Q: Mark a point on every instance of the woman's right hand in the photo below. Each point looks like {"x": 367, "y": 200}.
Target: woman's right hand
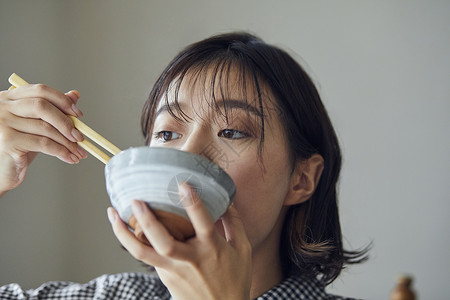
{"x": 33, "y": 118}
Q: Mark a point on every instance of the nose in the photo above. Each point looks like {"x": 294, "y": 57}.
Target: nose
{"x": 200, "y": 142}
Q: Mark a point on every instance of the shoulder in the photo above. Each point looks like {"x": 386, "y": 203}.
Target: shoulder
{"x": 295, "y": 287}
{"x": 117, "y": 286}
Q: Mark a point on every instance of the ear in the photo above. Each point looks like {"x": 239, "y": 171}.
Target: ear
{"x": 304, "y": 180}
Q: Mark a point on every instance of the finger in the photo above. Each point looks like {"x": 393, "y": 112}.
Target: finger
{"x": 198, "y": 214}
{"x": 58, "y": 99}
{"x": 158, "y": 236}
{"x": 136, "y": 248}
{"x": 37, "y": 108}
{"x": 42, "y": 128}
{"x": 233, "y": 227}
{"x": 24, "y": 142}
{"x": 74, "y": 95}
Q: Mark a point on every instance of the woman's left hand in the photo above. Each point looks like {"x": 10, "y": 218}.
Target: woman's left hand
{"x": 210, "y": 265}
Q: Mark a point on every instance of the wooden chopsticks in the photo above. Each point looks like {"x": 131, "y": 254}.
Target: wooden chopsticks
{"x": 16, "y": 81}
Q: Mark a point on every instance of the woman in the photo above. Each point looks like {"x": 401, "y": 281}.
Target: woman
{"x": 250, "y": 108}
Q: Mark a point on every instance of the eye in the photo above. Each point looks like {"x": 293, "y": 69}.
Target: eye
{"x": 165, "y": 136}
{"x": 233, "y": 134}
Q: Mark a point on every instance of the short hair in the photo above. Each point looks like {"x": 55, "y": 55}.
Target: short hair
{"x": 311, "y": 238}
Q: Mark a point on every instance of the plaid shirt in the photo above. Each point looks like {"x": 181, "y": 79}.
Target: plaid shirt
{"x": 148, "y": 286}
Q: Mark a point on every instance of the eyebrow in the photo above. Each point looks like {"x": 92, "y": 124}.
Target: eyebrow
{"x": 228, "y": 103}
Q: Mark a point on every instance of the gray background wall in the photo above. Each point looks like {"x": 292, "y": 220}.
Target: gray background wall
{"x": 382, "y": 68}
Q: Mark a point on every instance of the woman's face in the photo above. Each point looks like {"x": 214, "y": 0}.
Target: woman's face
{"x": 262, "y": 179}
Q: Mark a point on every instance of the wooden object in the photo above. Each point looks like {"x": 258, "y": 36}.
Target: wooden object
{"x": 403, "y": 290}
{"x": 97, "y": 138}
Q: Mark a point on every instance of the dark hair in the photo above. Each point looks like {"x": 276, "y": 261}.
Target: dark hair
{"x": 311, "y": 240}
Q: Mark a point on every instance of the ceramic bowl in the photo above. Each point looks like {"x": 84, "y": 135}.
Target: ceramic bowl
{"x": 153, "y": 174}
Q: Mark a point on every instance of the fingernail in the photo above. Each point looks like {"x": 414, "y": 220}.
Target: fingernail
{"x": 77, "y": 135}
{"x": 77, "y": 111}
{"x": 74, "y": 159}
{"x": 111, "y": 215}
{"x": 138, "y": 208}
{"x": 73, "y": 96}
{"x": 82, "y": 152}
{"x": 76, "y": 93}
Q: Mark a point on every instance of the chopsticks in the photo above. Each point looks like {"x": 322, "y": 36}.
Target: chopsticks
{"x": 97, "y": 138}
{"x": 16, "y": 81}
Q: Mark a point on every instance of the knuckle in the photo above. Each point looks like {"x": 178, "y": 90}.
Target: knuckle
{"x": 68, "y": 124}
{"x": 40, "y": 104}
{"x": 168, "y": 250}
{"x": 45, "y": 127}
{"x": 44, "y": 142}
{"x": 40, "y": 88}
{"x": 208, "y": 232}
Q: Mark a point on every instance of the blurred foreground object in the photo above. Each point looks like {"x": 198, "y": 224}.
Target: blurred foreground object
{"x": 403, "y": 290}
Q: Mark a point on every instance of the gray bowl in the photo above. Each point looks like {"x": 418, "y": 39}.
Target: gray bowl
{"x": 153, "y": 175}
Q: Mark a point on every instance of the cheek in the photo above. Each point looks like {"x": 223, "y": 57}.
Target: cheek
{"x": 259, "y": 196}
